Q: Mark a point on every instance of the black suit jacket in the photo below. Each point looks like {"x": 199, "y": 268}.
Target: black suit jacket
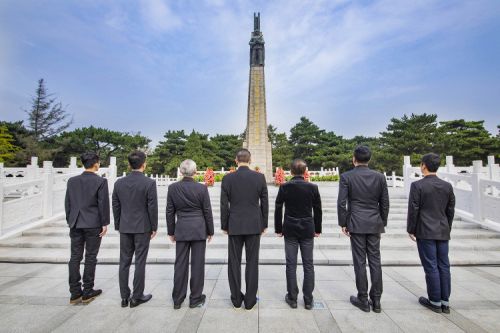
{"x": 431, "y": 208}
{"x": 363, "y": 201}
{"x": 301, "y": 198}
{"x": 244, "y": 206}
{"x": 87, "y": 201}
{"x": 135, "y": 204}
{"x": 190, "y": 202}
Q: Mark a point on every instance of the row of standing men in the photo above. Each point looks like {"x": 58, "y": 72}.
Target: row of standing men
{"x": 363, "y": 209}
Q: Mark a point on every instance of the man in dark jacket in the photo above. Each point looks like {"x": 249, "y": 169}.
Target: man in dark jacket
{"x": 244, "y": 212}
{"x": 300, "y": 226}
{"x": 87, "y": 214}
{"x": 190, "y": 202}
{"x": 363, "y": 208}
{"x": 135, "y": 210}
{"x": 431, "y": 208}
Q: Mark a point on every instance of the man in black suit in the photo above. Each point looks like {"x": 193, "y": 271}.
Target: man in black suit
{"x": 431, "y": 208}
{"x": 87, "y": 214}
{"x": 135, "y": 210}
{"x": 363, "y": 208}
{"x": 244, "y": 211}
{"x": 300, "y": 226}
{"x": 189, "y": 201}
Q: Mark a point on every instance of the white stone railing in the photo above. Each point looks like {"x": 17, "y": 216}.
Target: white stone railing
{"x": 476, "y": 188}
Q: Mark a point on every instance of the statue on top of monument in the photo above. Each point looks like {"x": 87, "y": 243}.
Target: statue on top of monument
{"x": 257, "y": 52}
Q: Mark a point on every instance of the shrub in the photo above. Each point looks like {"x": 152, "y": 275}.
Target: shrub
{"x": 279, "y": 177}
{"x": 209, "y": 177}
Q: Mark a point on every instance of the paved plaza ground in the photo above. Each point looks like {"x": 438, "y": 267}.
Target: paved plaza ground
{"x": 34, "y": 298}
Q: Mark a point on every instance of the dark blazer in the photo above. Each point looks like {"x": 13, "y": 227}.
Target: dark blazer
{"x": 363, "y": 201}
{"x": 87, "y": 201}
{"x": 301, "y": 198}
{"x": 135, "y": 204}
{"x": 190, "y": 202}
{"x": 244, "y": 206}
{"x": 431, "y": 208}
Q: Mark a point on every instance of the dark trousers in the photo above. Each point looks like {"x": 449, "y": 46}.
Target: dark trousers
{"x": 181, "y": 272}
{"x": 88, "y": 240}
{"x": 130, "y": 244}
{"x": 434, "y": 257}
{"x": 363, "y": 246}
{"x": 235, "y": 248}
{"x": 306, "y": 251}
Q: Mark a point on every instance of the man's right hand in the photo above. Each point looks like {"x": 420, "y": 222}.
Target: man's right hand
{"x": 346, "y": 232}
{"x": 225, "y": 232}
{"x": 279, "y": 234}
{"x": 172, "y": 238}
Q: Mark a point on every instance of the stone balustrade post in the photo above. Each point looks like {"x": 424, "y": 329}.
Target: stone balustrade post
{"x": 32, "y": 171}
{"x": 73, "y": 167}
{"x": 112, "y": 173}
{"x": 394, "y": 179}
{"x": 476, "y": 192}
{"x": 2, "y": 170}
{"x": 1, "y": 208}
{"x": 407, "y": 174}
{"x": 450, "y": 167}
{"x": 493, "y": 169}
{"x": 48, "y": 184}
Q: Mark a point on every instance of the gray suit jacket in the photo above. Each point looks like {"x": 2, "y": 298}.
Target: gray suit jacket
{"x": 190, "y": 203}
{"x": 431, "y": 208}
{"x": 363, "y": 201}
{"x": 87, "y": 201}
{"x": 135, "y": 204}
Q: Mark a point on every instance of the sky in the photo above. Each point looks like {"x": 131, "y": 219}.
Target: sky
{"x": 150, "y": 66}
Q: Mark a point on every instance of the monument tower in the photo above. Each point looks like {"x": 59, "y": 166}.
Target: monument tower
{"x": 256, "y": 139}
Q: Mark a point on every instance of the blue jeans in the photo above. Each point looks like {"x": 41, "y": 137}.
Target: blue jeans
{"x": 434, "y": 257}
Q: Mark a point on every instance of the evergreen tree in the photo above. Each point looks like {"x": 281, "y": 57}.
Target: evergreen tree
{"x": 304, "y": 137}
{"x": 7, "y": 148}
{"x": 47, "y": 117}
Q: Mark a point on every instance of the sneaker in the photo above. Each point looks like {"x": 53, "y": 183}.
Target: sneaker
{"x": 91, "y": 295}
{"x": 75, "y": 299}
{"x": 445, "y": 309}
{"x": 425, "y": 302}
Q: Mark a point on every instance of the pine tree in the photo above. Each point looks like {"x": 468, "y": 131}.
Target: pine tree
{"x": 47, "y": 117}
{"x": 7, "y": 148}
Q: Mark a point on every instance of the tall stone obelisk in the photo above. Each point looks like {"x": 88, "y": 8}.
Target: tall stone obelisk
{"x": 257, "y": 140}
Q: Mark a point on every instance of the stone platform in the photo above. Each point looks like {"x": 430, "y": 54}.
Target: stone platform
{"x": 34, "y": 298}
{"x": 470, "y": 245}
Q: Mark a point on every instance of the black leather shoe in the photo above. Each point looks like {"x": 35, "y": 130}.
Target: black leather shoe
{"x": 293, "y": 304}
{"x": 445, "y": 309}
{"x": 199, "y": 303}
{"x": 309, "y": 306}
{"x": 91, "y": 295}
{"x": 136, "y": 302}
{"x": 425, "y": 302}
{"x": 75, "y": 299}
{"x": 375, "y": 303}
{"x": 363, "y": 306}
{"x": 125, "y": 302}
{"x": 177, "y": 306}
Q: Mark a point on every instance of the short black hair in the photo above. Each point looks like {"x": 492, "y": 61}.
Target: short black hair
{"x": 298, "y": 167}
{"x": 136, "y": 159}
{"x": 243, "y": 155}
{"x": 362, "y": 154}
{"x": 89, "y": 159}
{"x": 431, "y": 161}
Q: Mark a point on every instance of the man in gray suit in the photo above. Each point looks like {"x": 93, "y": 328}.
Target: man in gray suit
{"x": 87, "y": 214}
{"x": 189, "y": 201}
{"x": 363, "y": 208}
{"x": 135, "y": 210}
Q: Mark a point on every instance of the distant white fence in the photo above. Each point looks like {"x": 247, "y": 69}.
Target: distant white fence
{"x": 477, "y": 189}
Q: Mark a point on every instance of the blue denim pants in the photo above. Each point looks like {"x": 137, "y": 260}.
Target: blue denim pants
{"x": 434, "y": 257}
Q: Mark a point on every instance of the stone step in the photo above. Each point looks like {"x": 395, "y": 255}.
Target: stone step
{"x": 220, "y": 242}
{"x": 267, "y": 256}
{"x": 400, "y": 232}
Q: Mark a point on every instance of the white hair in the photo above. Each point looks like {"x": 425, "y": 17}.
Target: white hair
{"x": 188, "y": 168}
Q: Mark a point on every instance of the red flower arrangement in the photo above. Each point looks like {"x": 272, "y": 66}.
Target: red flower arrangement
{"x": 279, "y": 177}
{"x": 306, "y": 176}
{"x": 209, "y": 177}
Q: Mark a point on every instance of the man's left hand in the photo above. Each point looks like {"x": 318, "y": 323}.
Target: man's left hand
{"x": 412, "y": 237}
{"x": 104, "y": 230}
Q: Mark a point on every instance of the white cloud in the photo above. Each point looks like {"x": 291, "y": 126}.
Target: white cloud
{"x": 158, "y": 15}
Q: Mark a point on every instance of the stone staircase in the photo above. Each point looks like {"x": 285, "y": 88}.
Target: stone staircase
{"x": 470, "y": 244}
